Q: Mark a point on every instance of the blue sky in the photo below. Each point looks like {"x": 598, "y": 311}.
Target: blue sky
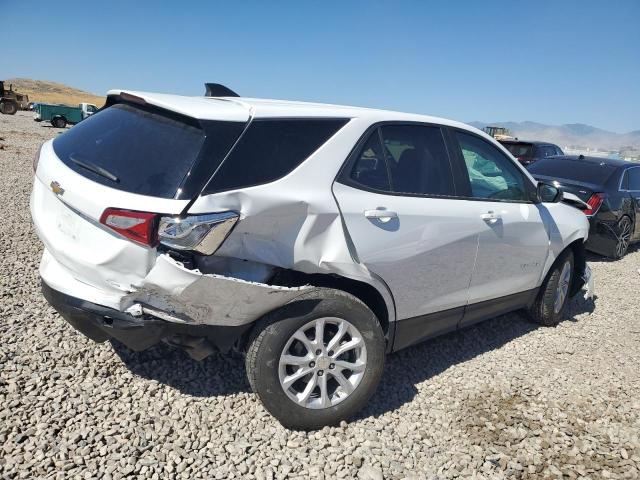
{"x": 547, "y": 61}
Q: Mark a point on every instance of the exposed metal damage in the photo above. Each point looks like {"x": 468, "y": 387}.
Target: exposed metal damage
{"x": 175, "y": 293}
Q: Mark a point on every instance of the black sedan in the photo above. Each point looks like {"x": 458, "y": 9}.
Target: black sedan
{"x": 612, "y": 190}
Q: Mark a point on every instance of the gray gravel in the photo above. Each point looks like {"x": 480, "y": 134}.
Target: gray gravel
{"x": 503, "y": 399}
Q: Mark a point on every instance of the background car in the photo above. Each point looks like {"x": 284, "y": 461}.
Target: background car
{"x": 612, "y": 190}
{"x": 528, "y": 152}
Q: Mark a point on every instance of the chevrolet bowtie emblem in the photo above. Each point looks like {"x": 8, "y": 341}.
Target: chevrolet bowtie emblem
{"x": 56, "y": 188}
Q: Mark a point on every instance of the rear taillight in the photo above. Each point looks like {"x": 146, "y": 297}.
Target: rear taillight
{"x": 137, "y": 226}
{"x": 199, "y": 233}
{"x": 36, "y": 158}
{"x": 594, "y": 203}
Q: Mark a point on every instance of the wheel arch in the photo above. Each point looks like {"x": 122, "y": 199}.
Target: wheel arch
{"x": 579, "y": 265}
{"x": 382, "y": 307}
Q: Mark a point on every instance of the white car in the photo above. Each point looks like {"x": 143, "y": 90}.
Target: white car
{"x": 314, "y": 238}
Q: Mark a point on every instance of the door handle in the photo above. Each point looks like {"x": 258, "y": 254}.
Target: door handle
{"x": 383, "y": 215}
{"x": 490, "y": 217}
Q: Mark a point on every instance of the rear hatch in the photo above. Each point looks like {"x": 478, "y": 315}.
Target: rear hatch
{"x": 134, "y": 157}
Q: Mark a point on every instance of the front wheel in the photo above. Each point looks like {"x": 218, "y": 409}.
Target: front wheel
{"x": 317, "y": 360}
{"x": 553, "y": 296}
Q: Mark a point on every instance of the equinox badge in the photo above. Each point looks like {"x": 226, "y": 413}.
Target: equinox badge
{"x": 57, "y": 189}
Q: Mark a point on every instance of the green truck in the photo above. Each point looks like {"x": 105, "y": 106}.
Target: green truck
{"x": 61, "y": 115}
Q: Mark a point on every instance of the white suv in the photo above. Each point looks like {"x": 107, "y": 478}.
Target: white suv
{"x": 315, "y": 238}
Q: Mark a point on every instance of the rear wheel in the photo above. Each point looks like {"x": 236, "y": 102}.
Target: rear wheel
{"x": 8, "y": 108}
{"x": 317, "y": 360}
{"x": 59, "y": 122}
{"x": 552, "y": 299}
{"x": 623, "y": 236}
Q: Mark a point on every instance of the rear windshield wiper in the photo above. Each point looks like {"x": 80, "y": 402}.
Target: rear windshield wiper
{"x": 95, "y": 169}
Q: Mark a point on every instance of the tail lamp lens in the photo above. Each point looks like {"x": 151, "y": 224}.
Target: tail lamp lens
{"x": 199, "y": 233}
{"x": 137, "y": 226}
{"x": 594, "y": 203}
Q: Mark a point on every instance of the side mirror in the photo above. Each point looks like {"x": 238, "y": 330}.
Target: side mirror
{"x": 548, "y": 193}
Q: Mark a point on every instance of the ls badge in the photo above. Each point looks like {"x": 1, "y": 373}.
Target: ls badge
{"x": 57, "y": 189}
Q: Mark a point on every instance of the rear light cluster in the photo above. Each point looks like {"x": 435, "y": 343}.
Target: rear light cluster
{"x": 594, "y": 203}
{"x": 198, "y": 233}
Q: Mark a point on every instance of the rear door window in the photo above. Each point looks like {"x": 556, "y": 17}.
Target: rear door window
{"x": 270, "y": 149}
{"x": 634, "y": 179}
{"x": 370, "y": 168}
{"x": 131, "y": 149}
{"x": 418, "y": 160}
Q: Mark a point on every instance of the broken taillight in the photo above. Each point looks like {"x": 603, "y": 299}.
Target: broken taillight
{"x": 137, "y": 226}
{"x": 594, "y": 203}
{"x": 199, "y": 233}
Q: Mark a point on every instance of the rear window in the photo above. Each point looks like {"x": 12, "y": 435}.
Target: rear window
{"x": 519, "y": 149}
{"x": 587, "y": 172}
{"x": 132, "y": 149}
{"x": 270, "y": 149}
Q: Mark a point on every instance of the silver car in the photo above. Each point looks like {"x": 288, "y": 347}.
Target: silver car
{"x": 314, "y": 238}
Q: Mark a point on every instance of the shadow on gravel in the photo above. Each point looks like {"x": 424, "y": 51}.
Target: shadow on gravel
{"x": 216, "y": 375}
{"x": 597, "y": 258}
{"x": 416, "y": 364}
{"x": 224, "y": 374}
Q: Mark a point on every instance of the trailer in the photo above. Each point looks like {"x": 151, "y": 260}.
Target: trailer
{"x": 61, "y": 115}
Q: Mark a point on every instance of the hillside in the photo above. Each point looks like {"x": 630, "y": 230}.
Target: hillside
{"x": 52, "y": 92}
{"x": 573, "y": 135}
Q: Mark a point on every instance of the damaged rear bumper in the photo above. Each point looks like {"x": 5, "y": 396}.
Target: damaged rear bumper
{"x": 101, "y": 323}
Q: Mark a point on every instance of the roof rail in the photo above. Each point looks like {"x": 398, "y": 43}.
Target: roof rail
{"x": 218, "y": 90}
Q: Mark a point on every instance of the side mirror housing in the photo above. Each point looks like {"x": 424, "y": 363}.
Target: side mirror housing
{"x": 548, "y": 193}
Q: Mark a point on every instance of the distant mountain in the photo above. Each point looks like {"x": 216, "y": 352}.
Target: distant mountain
{"x": 44, "y": 91}
{"x": 573, "y": 134}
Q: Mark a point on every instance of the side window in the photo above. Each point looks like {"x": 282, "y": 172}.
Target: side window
{"x": 270, "y": 149}
{"x": 370, "y": 169}
{"x": 634, "y": 178}
{"x": 624, "y": 183}
{"x": 558, "y": 150}
{"x": 417, "y": 159}
{"x": 548, "y": 151}
{"x": 491, "y": 174}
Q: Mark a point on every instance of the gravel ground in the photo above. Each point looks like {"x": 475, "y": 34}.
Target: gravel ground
{"x": 502, "y": 399}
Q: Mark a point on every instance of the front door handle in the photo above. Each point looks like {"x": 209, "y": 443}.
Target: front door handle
{"x": 383, "y": 215}
{"x": 490, "y": 217}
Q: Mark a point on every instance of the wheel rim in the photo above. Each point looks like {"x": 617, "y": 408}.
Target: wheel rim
{"x": 563, "y": 287}
{"x": 624, "y": 235}
{"x": 322, "y": 363}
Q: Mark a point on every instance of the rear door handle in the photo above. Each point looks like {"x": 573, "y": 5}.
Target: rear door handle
{"x": 490, "y": 217}
{"x": 382, "y": 215}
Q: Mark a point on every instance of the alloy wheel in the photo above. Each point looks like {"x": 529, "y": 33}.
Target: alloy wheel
{"x": 624, "y": 235}
{"x": 322, "y": 363}
{"x": 563, "y": 287}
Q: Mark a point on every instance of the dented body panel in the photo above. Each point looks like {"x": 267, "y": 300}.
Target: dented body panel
{"x": 304, "y": 222}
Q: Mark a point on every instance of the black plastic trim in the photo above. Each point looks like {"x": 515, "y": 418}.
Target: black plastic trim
{"x": 101, "y": 323}
{"x": 417, "y": 329}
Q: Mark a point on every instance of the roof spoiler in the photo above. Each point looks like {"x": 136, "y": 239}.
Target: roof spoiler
{"x": 218, "y": 90}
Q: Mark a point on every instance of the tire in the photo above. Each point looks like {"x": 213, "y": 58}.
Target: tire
{"x": 270, "y": 372}
{"x": 545, "y": 310}
{"x": 8, "y": 108}
{"x": 623, "y": 231}
{"x": 59, "y": 122}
